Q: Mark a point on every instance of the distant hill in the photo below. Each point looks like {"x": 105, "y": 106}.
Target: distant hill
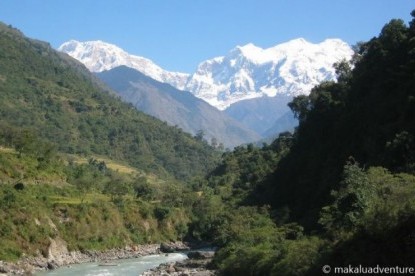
{"x": 176, "y": 107}
{"x": 264, "y": 115}
{"x": 287, "y": 122}
{"x": 56, "y": 97}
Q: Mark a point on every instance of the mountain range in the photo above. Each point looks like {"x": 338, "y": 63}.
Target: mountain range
{"x": 246, "y": 72}
{"x": 250, "y": 84}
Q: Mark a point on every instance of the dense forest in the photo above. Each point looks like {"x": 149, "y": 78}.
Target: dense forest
{"x": 59, "y": 100}
{"x": 79, "y": 164}
{"x": 338, "y": 191}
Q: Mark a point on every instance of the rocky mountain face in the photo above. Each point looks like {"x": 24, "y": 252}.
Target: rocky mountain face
{"x": 177, "y": 108}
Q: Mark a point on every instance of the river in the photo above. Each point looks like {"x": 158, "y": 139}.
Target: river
{"x": 125, "y": 267}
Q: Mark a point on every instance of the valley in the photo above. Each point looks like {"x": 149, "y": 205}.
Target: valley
{"x": 85, "y": 172}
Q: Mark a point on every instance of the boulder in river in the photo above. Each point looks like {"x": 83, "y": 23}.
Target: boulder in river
{"x": 173, "y": 247}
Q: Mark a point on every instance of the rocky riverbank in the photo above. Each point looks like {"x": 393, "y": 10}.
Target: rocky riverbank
{"x": 198, "y": 264}
{"x": 58, "y": 255}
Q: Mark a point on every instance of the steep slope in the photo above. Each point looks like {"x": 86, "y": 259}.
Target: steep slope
{"x": 176, "y": 107}
{"x": 62, "y": 102}
{"x": 99, "y": 56}
{"x": 365, "y": 119}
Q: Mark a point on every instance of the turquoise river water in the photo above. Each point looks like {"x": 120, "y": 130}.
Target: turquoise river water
{"x": 126, "y": 267}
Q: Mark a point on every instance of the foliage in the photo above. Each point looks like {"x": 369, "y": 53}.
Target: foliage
{"x": 352, "y": 201}
{"x": 254, "y": 245}
{"x": 339, "y": 191}
{"x": 346, "y": 178}
{"x": 232, "y": 183}
{"x": 51, "y": 96}
{"x": 368, "y": 114}
{"x": 371, "y": 220}
{"x": 88, "y": 205}
{"x": 244, "y": 169}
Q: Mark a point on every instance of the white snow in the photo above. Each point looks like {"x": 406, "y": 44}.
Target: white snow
{"x": 246, "y": 72}
{"x": 99, "y": 56}
{"x": 249, "y": 71}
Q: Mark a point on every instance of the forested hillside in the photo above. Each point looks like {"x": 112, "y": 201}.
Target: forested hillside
{"x": 366, "y": 118}
{"x": 57, "y": 99}
{"x": 340, "y": 190}
{"x": 80, "y": 166}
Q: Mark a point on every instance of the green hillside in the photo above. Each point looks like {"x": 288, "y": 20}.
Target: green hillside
{"x": 340, "y": 190}
{"x": 366, "y": 118}
{"x": 76, "y": 163}
{"x": 57, "y": 99}
{"x": 89, "y": 205}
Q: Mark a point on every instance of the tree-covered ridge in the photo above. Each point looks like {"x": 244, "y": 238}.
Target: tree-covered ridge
{"x": 342, "y": 191}
{"x": 60, "y": 101}
{"x": 368, "y": 116}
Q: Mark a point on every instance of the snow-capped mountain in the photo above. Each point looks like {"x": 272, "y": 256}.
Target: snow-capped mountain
{"x": 249, "y": 71}
{"x": 246, "y": 72}
{"x": 99, "y": 56}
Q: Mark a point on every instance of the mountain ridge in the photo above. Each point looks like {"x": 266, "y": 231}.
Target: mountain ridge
{"x": 246, "y": 72}
{"x": 177, "y": 108}
{"x": 99, "y": 56}
{"x": 56, "y": 97}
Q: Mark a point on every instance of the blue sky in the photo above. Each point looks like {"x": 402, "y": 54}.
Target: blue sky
{"x": 179, "y": 34}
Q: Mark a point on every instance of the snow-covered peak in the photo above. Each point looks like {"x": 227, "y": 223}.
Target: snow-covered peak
{"x": 296, "y": 43}
{"x": 99, "y": 56}
{"x": 249, "y": 71}
{"x": 250, "y": 52}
